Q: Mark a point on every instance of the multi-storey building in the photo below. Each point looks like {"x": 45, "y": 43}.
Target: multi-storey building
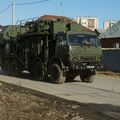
{"x": 109, "y": 23}
{"x": 89, "y": 22}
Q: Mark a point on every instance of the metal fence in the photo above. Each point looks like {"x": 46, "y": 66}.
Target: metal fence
{"x": 111, "y": 59}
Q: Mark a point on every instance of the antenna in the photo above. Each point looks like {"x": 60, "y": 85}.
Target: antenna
{"x": 61, "y": 5}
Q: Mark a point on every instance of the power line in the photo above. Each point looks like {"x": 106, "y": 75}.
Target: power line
{"x": 5, "y": 8}
{"x": 13, "y": 4}
{"x": 37, "y": 2}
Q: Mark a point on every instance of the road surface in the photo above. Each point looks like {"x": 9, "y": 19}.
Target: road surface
{"x": 104, "y": 90}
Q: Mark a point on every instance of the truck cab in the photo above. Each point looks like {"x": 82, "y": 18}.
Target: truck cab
{"x": 77, "y": 54}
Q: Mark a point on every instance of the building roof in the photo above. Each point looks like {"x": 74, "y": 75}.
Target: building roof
{"x": 99, "y": 31}
{"x": 53, "y": 17}
{"x": 112, "y": 32}
{"x": 1, "y": 28}
{"x": 64, "y": 19}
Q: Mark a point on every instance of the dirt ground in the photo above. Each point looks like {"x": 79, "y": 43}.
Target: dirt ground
{"x": 110, "y": 73}
{"x": 20, "y": 104}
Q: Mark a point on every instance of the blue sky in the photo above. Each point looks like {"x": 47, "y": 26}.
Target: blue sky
{"x": 103, "y": 9}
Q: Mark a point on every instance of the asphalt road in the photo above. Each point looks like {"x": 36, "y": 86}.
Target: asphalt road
{"x": 104, "y": 90}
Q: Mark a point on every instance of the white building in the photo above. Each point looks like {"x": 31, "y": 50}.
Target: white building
{"x": 89, "y": 22}
{"x": 109, "y": 23}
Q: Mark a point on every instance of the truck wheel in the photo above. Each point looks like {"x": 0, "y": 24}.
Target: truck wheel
{"x": 87, "y": 79}
{"x": 6, "y": 67}
{"x": 56, "y": 74}
{"x": 38, "y": 71}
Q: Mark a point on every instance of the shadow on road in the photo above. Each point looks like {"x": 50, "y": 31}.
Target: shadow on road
{"x": 105, "y": 109}
{"x": 26, "y": 75}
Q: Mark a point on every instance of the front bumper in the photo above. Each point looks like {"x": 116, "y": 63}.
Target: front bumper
{"x": 83, "y": 66}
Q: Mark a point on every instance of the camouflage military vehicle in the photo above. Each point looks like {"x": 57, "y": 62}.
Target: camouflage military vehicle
{"x": 49, "y": 48}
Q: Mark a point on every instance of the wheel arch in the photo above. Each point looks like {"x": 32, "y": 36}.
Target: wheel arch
{"x": 56, "y": 60}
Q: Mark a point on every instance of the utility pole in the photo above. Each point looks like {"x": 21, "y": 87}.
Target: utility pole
{"x": 13, "y": 12}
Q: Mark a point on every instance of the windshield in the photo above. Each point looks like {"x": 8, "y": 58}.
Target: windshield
{"x": 83, "y": 40}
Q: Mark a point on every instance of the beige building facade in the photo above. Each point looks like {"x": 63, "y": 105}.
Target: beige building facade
{"x": 90, "y": 22}
{"x": 109, "y": 23}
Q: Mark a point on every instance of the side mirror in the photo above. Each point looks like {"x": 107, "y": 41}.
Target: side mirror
{"x": 68, "y": 26}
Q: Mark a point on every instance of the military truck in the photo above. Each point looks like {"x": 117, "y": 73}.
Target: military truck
{"x": 54, "y": 50}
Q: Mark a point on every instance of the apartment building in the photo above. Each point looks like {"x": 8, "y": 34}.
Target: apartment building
{"x": 90, "y": 22}
{"x": 109, "y": 23}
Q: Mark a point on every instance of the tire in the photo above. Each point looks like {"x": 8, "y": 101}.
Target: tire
{"x": 38, "y": 71}
{"x": 6, "y": 67}
{"x": 87, "y": 79}
{"x": 56, "y": 74}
